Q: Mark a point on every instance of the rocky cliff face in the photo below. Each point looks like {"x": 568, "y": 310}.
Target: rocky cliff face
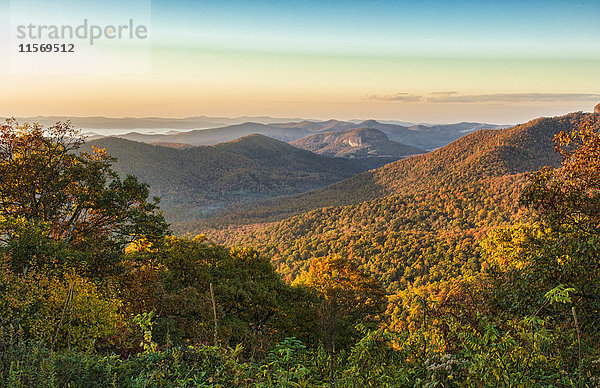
{"x": 367, "y": 147}
{"x": 362, "y": 137}
{"x": 597, "y": 109}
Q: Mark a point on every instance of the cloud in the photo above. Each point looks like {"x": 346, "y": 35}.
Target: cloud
{"x": 441, "y": 97}
{"x": 443, "y": 93}
{"x": 511, "y": 97}
{"x": 402, "y": 97}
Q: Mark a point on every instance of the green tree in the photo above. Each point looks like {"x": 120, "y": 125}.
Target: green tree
{"x": 253, "y": 305}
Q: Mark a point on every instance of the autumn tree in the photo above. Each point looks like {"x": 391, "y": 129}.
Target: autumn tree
{"x": 568, "y": 201}
{"x": 348, "y": 297}
{"x": 35, "y": 302}
{"x": 68, "y": 197}
{"x": 569, "y": 197}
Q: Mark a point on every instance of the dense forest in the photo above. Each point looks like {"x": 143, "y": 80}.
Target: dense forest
{"x": 473, "y": 265}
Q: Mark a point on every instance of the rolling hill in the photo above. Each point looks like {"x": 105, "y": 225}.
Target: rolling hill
{"x": 370, "y": 148}
{"x": 195, "y": 181}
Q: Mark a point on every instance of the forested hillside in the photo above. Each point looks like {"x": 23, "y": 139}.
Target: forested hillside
{"x": 417, "y": 221}
{"x": 195, "y": 181}
{"x": 476, "y": 157}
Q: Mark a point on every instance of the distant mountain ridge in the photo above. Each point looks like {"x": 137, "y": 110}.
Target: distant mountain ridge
{"x": 214, "y": 136}
{"x": 203, "y": 130}
{"x": 422, "y": 136}
{"x": 419, "y": 136}
{"x": 168, "y": 130}
{"x": 124, "y": 123}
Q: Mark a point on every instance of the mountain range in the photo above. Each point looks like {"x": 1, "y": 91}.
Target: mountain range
{"x": 192, "y": 130}
{"x": 420, "y": 136}
{"x": 208, "y": 170}
{"x": 411, "y": 223}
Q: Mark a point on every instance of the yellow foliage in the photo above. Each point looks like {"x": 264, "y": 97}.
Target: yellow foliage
{"x": 38, "y": 303}
{"x": 141, "y": 245}
{"x": 505, "y": 247}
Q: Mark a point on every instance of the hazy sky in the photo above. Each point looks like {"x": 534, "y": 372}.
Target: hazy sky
{"x": 423, "y": 61}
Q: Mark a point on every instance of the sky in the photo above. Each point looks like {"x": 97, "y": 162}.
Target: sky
{"x": 422, "y": 61}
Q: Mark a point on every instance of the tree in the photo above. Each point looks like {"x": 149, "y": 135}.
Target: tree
{"x": 74, "y": 197}
{"x": 560, "y": 251}
{"x": 61, "y": 311}
{"x": 348, "y": 297}
{"x": 568, "y": 200}
{"x": 254, "y": 306}
{"x": 569, "y": 197}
